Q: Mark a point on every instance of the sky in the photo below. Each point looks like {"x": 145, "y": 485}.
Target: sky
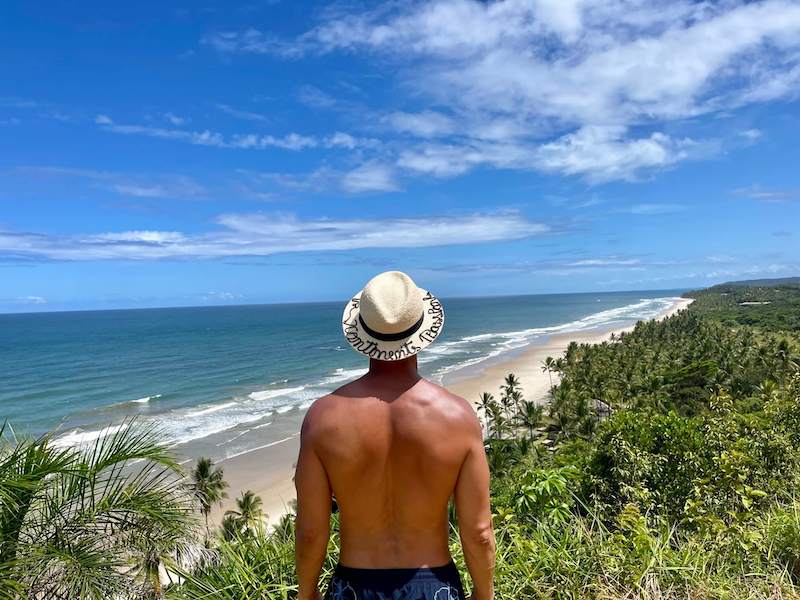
{"x": 209, "y": 152}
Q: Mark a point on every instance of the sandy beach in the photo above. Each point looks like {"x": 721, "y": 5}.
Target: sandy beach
{"x": 268, "y": 470}
{"x": 527, "y": 364}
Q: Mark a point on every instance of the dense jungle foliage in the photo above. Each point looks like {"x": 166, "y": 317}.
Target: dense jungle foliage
{"x": 665, "y": 464}
{"x": 771, "y": 304}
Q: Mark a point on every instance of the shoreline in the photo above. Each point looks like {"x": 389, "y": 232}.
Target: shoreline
{"x": 268, "y": 471}
{"x": 527, "y": 364}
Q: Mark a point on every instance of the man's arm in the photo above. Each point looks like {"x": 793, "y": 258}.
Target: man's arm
{"x": 475, "y": 516}
{"x": 312, "y": 524}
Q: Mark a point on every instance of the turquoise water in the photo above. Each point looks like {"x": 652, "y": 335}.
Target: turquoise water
{"x": 225, "y": 378}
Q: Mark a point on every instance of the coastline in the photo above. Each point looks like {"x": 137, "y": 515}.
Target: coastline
{"x": 527, "y": 365}
{"x": 268, "y": 470}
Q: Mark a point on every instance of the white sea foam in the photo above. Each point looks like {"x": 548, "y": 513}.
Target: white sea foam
{"x": 209, "y": 410}
{"x": 146, "y": 399}
{"x": 275, "y": 443}
{"x": 267, "y": 394}
{"x": 192, "y": 423}
{"x": 76, "y": 437}
{"x": 181, "y": 431}
{"x": 340, "y": 375}
{"x": 236, "y": 437}
{"x": 495, "y": 344}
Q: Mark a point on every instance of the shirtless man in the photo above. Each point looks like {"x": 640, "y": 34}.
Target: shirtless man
{"x": 393, "y": 449}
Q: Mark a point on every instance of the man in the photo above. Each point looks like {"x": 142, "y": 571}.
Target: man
{"x": 393, "y": 448}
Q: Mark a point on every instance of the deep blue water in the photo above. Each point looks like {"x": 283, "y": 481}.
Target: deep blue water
{"x": 217, "y": 373}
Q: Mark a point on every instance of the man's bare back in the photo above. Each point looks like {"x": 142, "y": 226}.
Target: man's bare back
{"x": 392, "y": 449}
{"x": 392, "y": 456}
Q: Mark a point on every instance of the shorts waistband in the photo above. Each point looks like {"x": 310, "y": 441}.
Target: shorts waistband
{"x": 383, "y": 577}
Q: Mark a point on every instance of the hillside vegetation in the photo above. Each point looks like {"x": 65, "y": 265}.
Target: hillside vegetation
{"x": 770, "y": 304}
{"x": 666, "y": 465}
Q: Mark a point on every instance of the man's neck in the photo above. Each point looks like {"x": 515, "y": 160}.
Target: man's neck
{"x": 395, "y": 370}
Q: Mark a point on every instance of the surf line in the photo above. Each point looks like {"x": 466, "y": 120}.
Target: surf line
{"x": 286, "y": 439}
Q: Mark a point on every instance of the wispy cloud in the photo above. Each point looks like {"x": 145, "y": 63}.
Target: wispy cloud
{"x": 259, "y": 234}
{"x": 15, "y": 102}
{"x": 370, "y": 177}
{"x": 593, "y": 89}
{"x": 246, "y": 141}
{"x": 174, "y": 119}
{"x": 771, "y": 196}
{"x": 652, "y": 209}
{"x": 138, "y": 186}
{"x": 245, "y": 115}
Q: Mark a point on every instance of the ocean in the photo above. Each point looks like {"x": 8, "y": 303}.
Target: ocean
{"x": 220, "y": 381}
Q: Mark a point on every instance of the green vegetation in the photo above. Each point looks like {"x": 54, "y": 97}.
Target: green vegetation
{"x": 771, "y": 304}
{"x": 208, "y": 487}
{"x": 665, "y": 465}
{"x": 92, "y": 524}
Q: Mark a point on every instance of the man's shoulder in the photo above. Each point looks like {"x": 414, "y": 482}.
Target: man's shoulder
{"x": 330, "y": 408}
{"x": 447, "y": 399}
{"x": 435, "y": 397}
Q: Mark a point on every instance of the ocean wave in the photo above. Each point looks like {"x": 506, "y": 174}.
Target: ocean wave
{"x": 183, "y": 425}
{"x": 146, "y": 399}
{"x": 208, "y": 411}
{"x": 236, "y": 437}
{"x": 495, "y": 344}
{"x": 340, "y": 375}
{"x": 78, "y": 437}
{"x": 269, "y": 445}
{"x": 267, "y": 394}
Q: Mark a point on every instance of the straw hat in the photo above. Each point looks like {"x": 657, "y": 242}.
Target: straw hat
{"x": 391, "y": 318}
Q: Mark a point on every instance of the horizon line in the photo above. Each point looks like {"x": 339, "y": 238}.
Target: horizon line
{"x": 301, "y": 302}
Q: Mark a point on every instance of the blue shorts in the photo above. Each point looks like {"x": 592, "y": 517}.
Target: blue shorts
{"x": 435, "y": 583}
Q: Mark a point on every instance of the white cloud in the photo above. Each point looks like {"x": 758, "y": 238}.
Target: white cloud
{"x": 220, "y": 297}
{"x": 580, "y": 87}
{"x": 653, "y": 209}
{"x": 139, "y": 186}
{"x": 171, "y": 118}
{"x": 370, "y": 177}
{"x": 242, "y": 114}
{"x": 605, "y": 262}
{"x": 248, "y": 141}
{"x": 770, "y": 196}
{"x": 258, "y": 234}
{"x": 605, "y": 153}
{"x": 423, "y": 124}
{"x": 32, "y": 300}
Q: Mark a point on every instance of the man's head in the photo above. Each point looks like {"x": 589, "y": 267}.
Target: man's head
{"x": 391, "y": 318}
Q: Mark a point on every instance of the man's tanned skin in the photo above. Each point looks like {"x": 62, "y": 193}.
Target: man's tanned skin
{"x": 393, "y": 448}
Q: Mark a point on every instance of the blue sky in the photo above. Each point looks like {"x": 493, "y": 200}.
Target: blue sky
{"x": 191, "y": 153}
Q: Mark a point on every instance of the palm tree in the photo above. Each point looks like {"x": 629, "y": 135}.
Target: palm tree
{"x": 529, "y": 416}
{"x": 208, "y": 487}
{"x": 485, "y": 406}
{"x": 72, "y": 520}
{"x": 498, "y": 420}
{"x": 548, "y": 366}
{"x": 249, "y": 515}
{"x": 511, "y": 394}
